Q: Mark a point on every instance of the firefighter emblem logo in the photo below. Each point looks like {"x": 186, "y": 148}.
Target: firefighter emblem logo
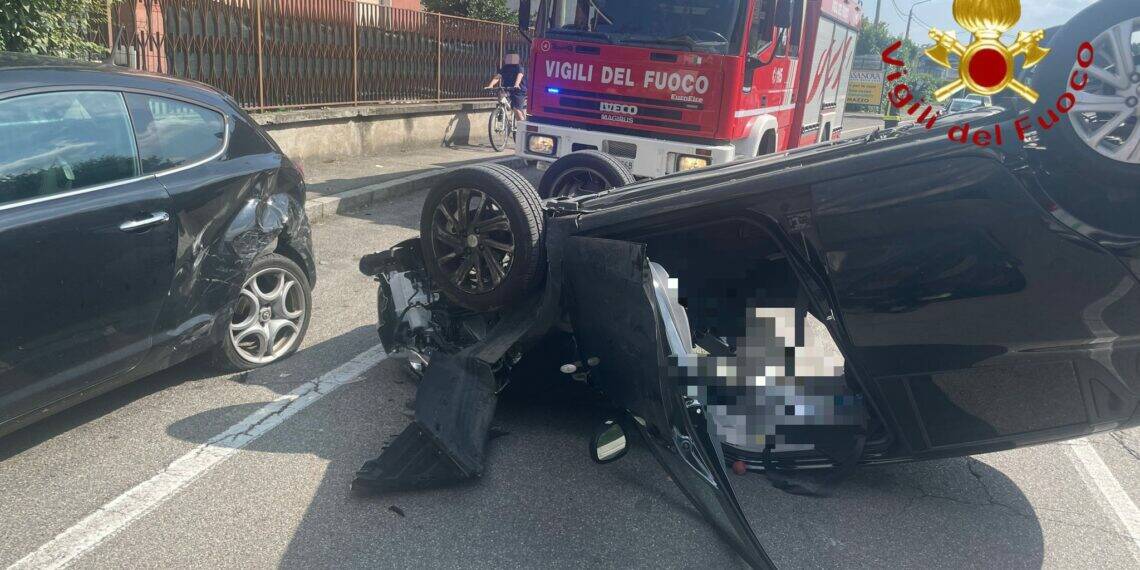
{"x": 986, "y": 65}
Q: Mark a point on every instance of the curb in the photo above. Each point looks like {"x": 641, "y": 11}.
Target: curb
{"x": 357, "y": 199}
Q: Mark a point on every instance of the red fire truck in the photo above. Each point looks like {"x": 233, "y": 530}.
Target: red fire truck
{"x": 673, "y": 85}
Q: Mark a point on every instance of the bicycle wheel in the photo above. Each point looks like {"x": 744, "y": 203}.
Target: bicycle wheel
{"x": 497, "y": 127}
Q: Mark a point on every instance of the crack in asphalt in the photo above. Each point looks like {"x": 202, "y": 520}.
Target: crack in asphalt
{"x": 1119, "y": 437}
{"x": 1004, "y": 509}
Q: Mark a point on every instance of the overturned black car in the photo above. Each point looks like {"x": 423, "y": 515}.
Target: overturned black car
{"x": 885, "y": 299}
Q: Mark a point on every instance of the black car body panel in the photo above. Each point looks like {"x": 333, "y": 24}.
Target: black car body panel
{"x": 973, "y": 311}
{"x": 944, "y": 270}
{"x": 92, "y": 306}
{"x": 633, "y": 362}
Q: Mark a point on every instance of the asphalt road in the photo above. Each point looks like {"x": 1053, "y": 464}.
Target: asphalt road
{"x": 125, "y": 480}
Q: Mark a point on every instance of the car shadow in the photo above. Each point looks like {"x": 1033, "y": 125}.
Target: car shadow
{"x": 195, "y": 369}
{"x": 543, "y": 502}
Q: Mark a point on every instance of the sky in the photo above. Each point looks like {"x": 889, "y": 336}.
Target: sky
{"x": 1035, "y": 14}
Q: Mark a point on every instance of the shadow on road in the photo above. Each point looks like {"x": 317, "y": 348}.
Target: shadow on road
{"x": 28, "y": 437}
{"x": 543, "y": 502}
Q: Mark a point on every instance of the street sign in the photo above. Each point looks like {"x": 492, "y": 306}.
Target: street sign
{"x": 866, "y": 87}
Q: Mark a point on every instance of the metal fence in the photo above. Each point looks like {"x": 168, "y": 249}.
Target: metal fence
{"x": 274, "y": 54}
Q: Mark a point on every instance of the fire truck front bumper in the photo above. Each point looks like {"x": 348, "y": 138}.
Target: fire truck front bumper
{"x": 646, "y": 157}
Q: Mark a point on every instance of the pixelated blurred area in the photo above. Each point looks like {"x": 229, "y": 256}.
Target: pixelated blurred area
{"x": 763, "y": 388}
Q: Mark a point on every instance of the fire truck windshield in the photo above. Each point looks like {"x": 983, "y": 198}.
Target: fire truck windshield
{"x": 694, "y": 25}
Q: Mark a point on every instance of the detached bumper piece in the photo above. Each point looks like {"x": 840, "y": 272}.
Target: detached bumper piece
{"x": 447, "y": 442}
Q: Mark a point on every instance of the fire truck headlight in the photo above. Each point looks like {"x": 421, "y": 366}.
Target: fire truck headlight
{"x": 686, "y": 162}
{"x": 541, "y": 144}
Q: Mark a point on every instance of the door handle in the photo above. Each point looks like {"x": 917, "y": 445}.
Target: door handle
{"x": 151, "y": 220}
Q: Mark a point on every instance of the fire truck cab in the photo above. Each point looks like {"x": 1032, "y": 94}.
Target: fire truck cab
{"x": 674, "y": 85}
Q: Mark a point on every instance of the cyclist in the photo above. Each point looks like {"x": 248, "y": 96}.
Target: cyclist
{"x": 510, "y": 76}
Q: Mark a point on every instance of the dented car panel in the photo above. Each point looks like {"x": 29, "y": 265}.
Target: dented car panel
{"x": 125, "y": 302}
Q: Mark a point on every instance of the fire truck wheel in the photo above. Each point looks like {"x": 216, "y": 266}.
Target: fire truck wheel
{"x": 1100, "y": 135}
{"x": 482, "y": 235}
{"x": 582, "y": 173}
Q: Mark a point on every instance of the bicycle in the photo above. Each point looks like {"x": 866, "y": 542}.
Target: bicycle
{"x": 501, "y": 127}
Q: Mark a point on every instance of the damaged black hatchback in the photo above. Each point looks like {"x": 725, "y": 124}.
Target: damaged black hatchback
{"x": 143, "y": 220}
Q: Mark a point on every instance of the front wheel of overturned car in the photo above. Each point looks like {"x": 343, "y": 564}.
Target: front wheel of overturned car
{"x": 583, "y": 173}
{"x": 482, "y": 230}
{"x": 1100, "y": 134}
{"x": 270, "y": 317}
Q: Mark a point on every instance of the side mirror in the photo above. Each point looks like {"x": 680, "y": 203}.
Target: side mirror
{"x": 524, "y": 17}
{"x": 608, "y": 443}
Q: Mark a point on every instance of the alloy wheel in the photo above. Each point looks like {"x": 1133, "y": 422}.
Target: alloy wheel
{"x": 1107, "y": 114}
{"x": 267, "y": 320}
{"x": 474, "y": 244}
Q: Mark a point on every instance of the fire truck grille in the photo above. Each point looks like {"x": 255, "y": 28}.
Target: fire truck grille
{"x": 621, "y": 149}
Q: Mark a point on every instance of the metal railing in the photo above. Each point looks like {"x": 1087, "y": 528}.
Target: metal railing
{"x": 277, "y": 54}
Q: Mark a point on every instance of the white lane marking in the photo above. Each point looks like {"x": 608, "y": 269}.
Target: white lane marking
{"x": 1099, "y": 476}
{"x": 116, "y": 515}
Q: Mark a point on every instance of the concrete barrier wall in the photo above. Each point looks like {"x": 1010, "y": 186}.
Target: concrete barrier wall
{"x": 319, "y": 134}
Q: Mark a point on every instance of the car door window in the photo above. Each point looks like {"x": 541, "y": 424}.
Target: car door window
{"x": 64, "y": 141}
{"x": 174, "y": 133}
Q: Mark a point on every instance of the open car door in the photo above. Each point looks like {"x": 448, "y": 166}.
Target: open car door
{"x": 636, "y": 338}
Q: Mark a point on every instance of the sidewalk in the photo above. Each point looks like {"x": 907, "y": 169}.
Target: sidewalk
{"x": 355, "y": 182}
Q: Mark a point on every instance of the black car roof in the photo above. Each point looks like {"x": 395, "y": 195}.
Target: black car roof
{"x": 901, "y": 145}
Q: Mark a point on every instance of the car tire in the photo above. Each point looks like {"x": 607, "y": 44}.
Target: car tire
{"x": 489, "y": 251}
{"x": 583, "y": 173}
{"x": 1069, "y": 141}
{"x": 270, "y": 318}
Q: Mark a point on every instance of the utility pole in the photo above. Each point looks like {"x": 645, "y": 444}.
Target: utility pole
{"x": 878, "y": 11}
{"x": 910, "y": 18}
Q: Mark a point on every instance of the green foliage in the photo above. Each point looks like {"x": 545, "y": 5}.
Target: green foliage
{"x": 923, "y": 86}
{"x": 52, "y": 27}
{"x": 494, "y": 10}
{"x": 875, "y": 39}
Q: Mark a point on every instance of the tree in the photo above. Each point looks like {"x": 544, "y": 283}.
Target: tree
{"x": 874, "y": 39}
{"x": 51, "y": 27}
{"x": 494, "y": 10}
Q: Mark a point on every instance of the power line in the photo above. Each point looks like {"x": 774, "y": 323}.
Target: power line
{"x": 905, "y": 15}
